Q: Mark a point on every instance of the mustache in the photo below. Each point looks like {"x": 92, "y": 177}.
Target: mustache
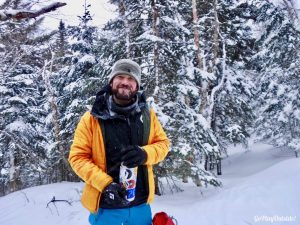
{"x": 124, "y": 86}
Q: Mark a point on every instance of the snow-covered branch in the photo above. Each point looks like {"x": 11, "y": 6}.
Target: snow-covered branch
{"x": 28, "y": 14}
{"x": 218, "y": 87}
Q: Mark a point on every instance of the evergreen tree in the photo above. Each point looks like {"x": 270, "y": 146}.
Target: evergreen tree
{"x": 176, "y": 94}
{"x": 219, "y": 67}
{"x": 118, "y": 39}
{"x": 61, "y": 48}
{"x": 156, "y": 38}
{"x": 74, "y": 85}
{"x": 22, "y": 137}
{"x": 277, "y": 63}
{"x": 233, "y": 116}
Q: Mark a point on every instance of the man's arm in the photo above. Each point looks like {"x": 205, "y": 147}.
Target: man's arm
{"x": 81, "y": 158}
{"x": 158, "y": 145}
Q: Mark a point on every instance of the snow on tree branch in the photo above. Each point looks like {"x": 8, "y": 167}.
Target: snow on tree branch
{"x": 29, "y": 14}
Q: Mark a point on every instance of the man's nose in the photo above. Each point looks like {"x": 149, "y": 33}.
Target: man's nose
{"x": 125, "y": 81}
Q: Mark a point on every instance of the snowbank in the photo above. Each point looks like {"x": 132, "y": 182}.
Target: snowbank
{"x": 260, "y": 187}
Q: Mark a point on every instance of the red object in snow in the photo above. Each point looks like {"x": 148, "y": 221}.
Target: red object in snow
{"x": 162, "y": 218}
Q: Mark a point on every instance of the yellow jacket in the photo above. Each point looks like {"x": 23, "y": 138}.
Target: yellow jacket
{"x": 87, "y": 157}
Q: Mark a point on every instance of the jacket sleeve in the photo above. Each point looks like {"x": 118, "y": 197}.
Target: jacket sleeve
{"x": 81, "y": 155}
{"x": 158, "y": 143}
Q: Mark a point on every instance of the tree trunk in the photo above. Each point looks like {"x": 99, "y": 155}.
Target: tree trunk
{"x": 204, "y": 97}
{"x": 219, "y": 166}
{"x": 211, "y": 161}
{"x": 155, "y": 19}
{"x": 206, "y": 162}
{"x": 216, "y": 48}
{"x": 157, "y": 189}
{"x": 198, "y": 181}
{"x": 204, "y": 84}
{"x": 122, "y": 10}
{"x": 12, "y": 183}
{"x": 196, "y": 35}
{"x": 185, "y": 179}
{"x": 64, "y": 164}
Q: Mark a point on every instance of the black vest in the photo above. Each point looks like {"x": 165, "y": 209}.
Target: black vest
{"x": 118, "y": 133}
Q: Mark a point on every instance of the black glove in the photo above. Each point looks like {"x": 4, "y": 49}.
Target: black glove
{"x": 114, "y": 196}
{"x": 133, "y": 156}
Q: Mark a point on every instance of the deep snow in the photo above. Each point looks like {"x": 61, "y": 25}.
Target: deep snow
{"x": 260, "y": 186}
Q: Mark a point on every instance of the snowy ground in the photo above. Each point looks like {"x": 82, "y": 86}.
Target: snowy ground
{"x": 260, "y": 186}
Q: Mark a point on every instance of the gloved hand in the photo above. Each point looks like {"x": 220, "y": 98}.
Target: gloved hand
{"x": 133, "y": 156}
{"x": 114, "y": 195}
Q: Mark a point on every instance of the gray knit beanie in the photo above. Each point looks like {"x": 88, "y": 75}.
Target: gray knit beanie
{"x": 128, "y": 67}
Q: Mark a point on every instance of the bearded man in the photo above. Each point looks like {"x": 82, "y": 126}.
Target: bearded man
{"x": 120, "y": 130}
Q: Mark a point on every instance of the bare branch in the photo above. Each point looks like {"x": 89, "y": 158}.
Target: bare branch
{"x": 29, "y": 14}
{"x": 53, "y": 200}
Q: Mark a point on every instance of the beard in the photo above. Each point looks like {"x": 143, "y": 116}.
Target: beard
{"x": 124, "y": 92}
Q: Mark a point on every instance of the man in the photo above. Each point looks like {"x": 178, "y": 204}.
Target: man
{"x": 119, "y": 129}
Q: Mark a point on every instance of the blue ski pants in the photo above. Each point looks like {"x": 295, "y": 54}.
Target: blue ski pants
{"x": 137, "y": 215}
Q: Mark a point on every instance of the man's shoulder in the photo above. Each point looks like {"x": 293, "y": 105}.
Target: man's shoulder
{"x": 151, "y": 111}
{"x": 88, "y": 116}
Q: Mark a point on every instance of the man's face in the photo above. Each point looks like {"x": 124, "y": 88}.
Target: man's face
{"x": 124, "y": 87}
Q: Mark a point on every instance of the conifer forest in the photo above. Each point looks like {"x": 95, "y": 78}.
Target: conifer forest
{"x": 217, "y": 73}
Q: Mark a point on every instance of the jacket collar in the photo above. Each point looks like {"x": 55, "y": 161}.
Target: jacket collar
{"x": 101, "y": 108}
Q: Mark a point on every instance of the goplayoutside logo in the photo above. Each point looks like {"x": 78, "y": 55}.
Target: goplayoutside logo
{"x": 274, "y": 218}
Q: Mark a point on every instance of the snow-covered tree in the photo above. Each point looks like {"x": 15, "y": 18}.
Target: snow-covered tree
{"x": 71, "y": 89}
{"x": 176, "y": 94}
{"x": 154, "y": 34}
{"x": 219, "y": 51}
{"x": 22, "y": 137}
{"x": 232, "y": 115}
{"x": 278, "y": 82}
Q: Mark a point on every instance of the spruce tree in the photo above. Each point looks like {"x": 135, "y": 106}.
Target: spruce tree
{"x": 219, "y": 67}
{"x": 156, "y": 38}
{"x": 277, "y": 64}
{"x": 22, "y": 137}
{"x": 176, "y": 95}
{"x": 233, "y": 116}
{"x": 74, "y": 85}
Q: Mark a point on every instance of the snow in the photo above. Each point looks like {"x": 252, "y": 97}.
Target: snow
{"x": 260, "y": 186}
{"x": 87, "y": 58}
{"x": 148, "y": 36}
{"x": 22, "y": 78}
{"x": 233, "y": 131}
{"x": 2, "y": 14}
{"x": 75, "y": 103}
{"x": 163, "y": 118}
{"x": 3, "y": 90}
{"x": 3, "y": 171}
{"x": 297, "y": 114}
{"x": 295, "y": 144}
{"x": 185, "y": 89}
{"x": 71, "y": 86}
{"x": 205, "y": 75}
{"x": 17, "y": 125}
{"x": 176, "y": 24}
{"x": 9, "y": 12}
{"x": 17, "y": 99}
